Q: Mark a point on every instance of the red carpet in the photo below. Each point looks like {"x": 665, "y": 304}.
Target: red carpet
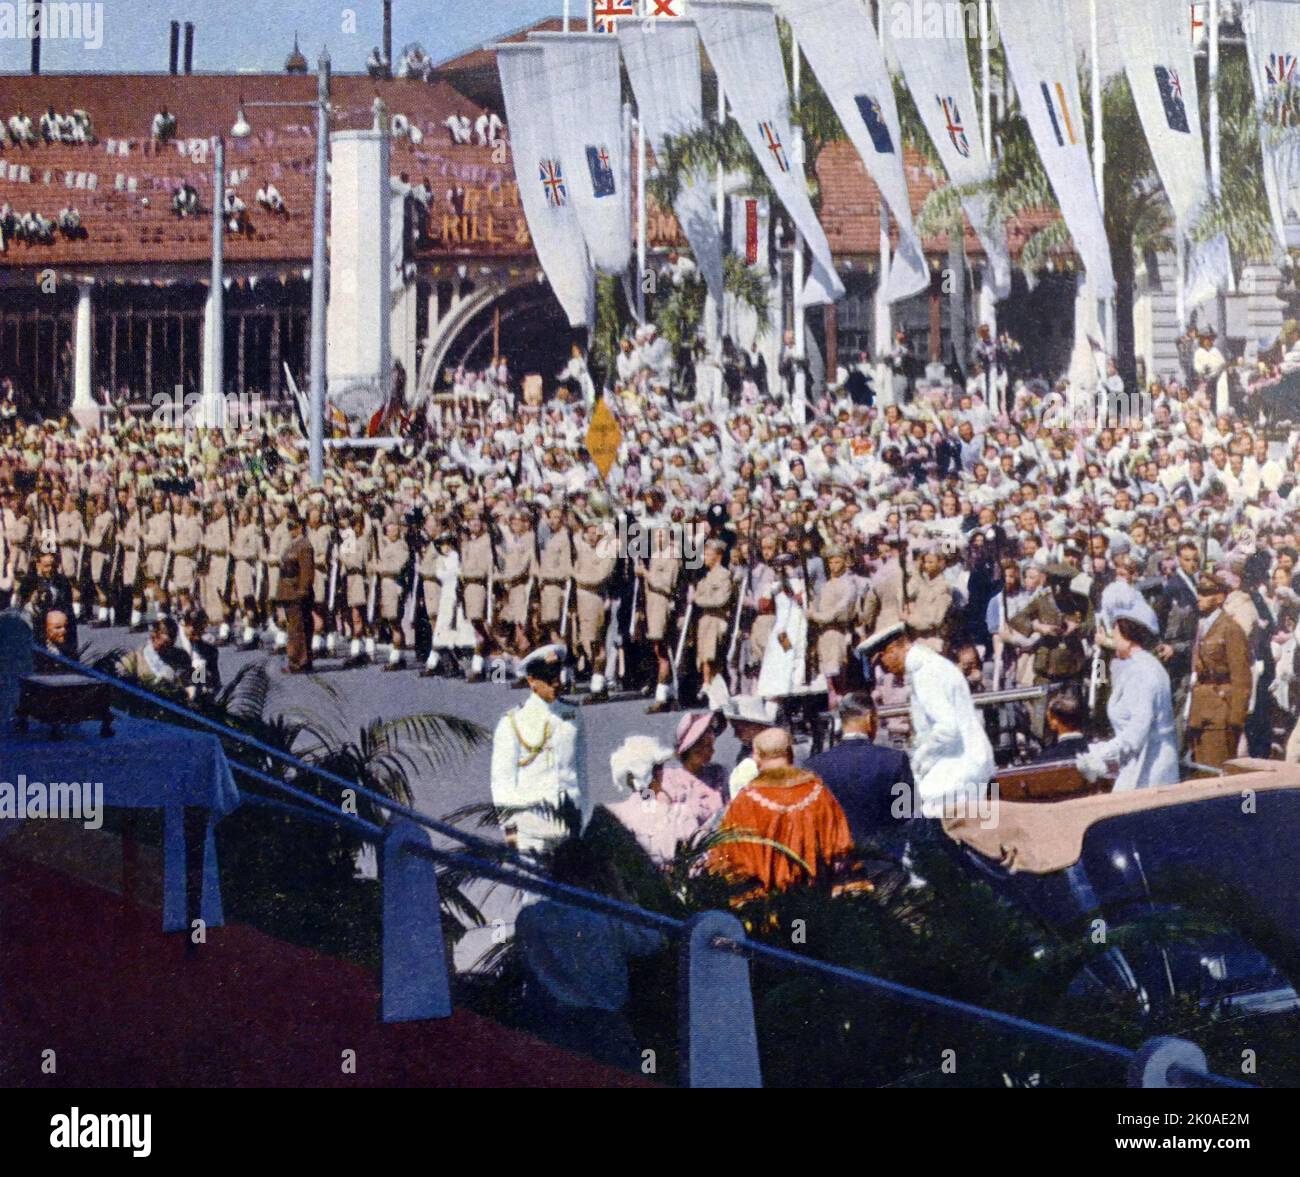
{"x": 122, "y": 1005}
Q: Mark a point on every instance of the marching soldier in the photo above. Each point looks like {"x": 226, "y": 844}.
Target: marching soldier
{"x": 72, "y": 543}
{"x": 321, "y": 537}
{"x": 100, "y": 543}
{"x": 294, "y": 592}
{"x": 659, "y": 576}
{"x": 156, "y": 538}
{"x": 355, "y": 549}
{"x": 477, "y": 561}
{"x": 274, "y": 546}
{"x": 218, "y": 539}
{"x": 518, "y": 573}
{"x": 390, "y": 562}
{"x": 132, "y": 543}
{"x": 594, "y": 562}
{"x": 713, "y": 607}
{"x": 554, "y": 570}
{"x": 187, "y": 538}
{"x": 246, "y": 551}
{"x": 832, "y": 613}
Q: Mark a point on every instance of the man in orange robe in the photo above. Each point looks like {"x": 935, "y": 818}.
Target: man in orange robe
{"x": 786, "y": 805}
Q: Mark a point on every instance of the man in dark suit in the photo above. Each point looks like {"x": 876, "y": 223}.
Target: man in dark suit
{"x": 1178, "y": 616}
{"x": 858, "y": 385}
{"x": 1065, "y": 721}
{"x": 862, "y": 776}
{"x": 297, "y": 595}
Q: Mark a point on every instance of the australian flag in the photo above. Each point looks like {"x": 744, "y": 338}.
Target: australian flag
{"x": 871, "y": 114}
{"x": 602, "y": 174}
{"x": 1171, "y": 96}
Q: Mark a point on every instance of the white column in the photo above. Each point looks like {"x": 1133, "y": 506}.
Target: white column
{"x": 84, "y": 409}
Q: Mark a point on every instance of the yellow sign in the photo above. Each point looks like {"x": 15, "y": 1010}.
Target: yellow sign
{"x": 603, "y": 438}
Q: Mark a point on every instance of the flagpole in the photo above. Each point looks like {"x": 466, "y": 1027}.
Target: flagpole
{"x": 721, "y": 205}
{"x": 884, "y": 318}
{"x": 988, "y": 304}
{"x": 1099, "y": 162}
{"x": 566, "y": 15}
{"x": 797, "y": 269}
{"x": 641, "y": 221}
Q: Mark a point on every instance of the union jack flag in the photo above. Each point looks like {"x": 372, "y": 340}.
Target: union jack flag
{"x": 1280, "y": 69}
{"x": 552, "y": 178}
{"x": 773, "y": 141}
{"x": 1171, "y": 97}
{"x": 956, "y": 131}
{"x": 606, "y": 14}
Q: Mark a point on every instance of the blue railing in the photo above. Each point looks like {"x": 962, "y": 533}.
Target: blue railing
{"x": 718, "y": 1035}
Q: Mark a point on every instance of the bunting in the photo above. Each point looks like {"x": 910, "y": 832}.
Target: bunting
{"x": 1272, "y": 46}
{"x": 552, "y": 222}
{"x": 741, "y": 40}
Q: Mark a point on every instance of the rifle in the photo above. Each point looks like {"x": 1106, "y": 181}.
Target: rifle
{"x": 681, "y": 639}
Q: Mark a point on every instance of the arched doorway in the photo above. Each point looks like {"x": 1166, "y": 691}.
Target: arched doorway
{"x": 534, "y": 334}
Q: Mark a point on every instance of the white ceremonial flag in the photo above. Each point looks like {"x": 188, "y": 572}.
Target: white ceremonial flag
{"x": 841, "y": 46}
{"x": 1041, "y": 58}
{"x": 663, "y": 63}
{"x": 934, "y": 64}
{"x": 740, "y": 37}
{"x": 1162, "y": 76}
{"x": 543, "y": 181}
{"x": 586, "y": 104}
{"x": 1273, "y": 47}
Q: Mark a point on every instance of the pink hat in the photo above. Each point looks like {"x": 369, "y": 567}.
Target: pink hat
{"x": 690, "y": 728}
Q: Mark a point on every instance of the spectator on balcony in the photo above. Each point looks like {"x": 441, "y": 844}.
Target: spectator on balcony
{"x": 377, "y": 66}
{"x": 51, "y": 125}
{"x": 164, "y": 126}
{"x": 459, "y": 127}
{"x": 185, "y": 201}
{"x": 70, "y": 222}
{"x": 8, "y": 224}
{"x": 268, "y": 196}
{"x": 234, "y": 210}
{"x": 20, "y": 129}
{"x": 80, "y": 127}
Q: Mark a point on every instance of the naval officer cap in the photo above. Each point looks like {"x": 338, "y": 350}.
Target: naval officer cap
{"x": 545, "y": 663}
{"x": 882, "y": 638}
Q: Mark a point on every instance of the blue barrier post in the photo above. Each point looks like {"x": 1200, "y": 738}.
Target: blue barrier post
{"x": 415, "y": 980}
{"x": 1166, "y": 1062}
{"x": 719, "y": 1044}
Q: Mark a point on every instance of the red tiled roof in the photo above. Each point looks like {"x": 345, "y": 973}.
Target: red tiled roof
{"x": 131, "y": 223}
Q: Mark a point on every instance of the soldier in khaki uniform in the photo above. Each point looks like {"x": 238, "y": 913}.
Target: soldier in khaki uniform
{"x": 832, "y": 612}
{"x": 321, "y": 537}
{"x": 659, "y": 576}
{"x": 356, "y": 549}
{"x": 100, "y": 546}
{"x": 72, "y": 539}
{"x": 1220, "y": 694}
{"x": 518, "y": 573}
{"x": 929, "y": 597}
{"x": 554, "y": 568}
{"x": 391, "y": 556}
{"x": 246, "y": 552}
{"x": 156, "y": 537}
{"x": 1058, "y": 619}
{"x": 274, "y": 547}
{"x": 132, "y": 541}
{"x": 187, "y": 538}
{"x": 594, "y": 561}
{"x": 476, "y": 571}
{"x": 712, "y": 599}
{"x": 217, "y": 537}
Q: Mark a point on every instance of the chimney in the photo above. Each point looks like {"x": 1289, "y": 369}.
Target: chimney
{"x": 37, "y": 25}
{"x": 388, "y": 34}
{"x": 173, "y": 57}
{"x": 189, "y": 46}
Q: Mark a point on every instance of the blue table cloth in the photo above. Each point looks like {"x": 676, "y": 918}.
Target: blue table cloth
{"x": 144, "y": 765}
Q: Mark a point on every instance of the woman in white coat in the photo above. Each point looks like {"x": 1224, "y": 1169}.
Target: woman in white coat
{"x": 784, "y": 667}
{"x": 1143, "y": 752}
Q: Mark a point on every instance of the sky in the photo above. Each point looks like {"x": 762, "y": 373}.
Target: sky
{"x": 257, "y": 35}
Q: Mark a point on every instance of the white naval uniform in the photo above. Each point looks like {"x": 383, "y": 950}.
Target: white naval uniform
{"x": 538, "y": 756}
{"x": 951, "y": 754}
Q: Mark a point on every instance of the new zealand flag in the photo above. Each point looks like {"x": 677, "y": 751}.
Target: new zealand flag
{"x": 602, "y": 174}
{"x": 1171, "y": 95}
{"x": 872, "y": 115}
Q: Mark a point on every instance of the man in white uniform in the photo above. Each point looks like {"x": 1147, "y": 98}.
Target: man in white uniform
{"x": 952, "y": 759}
{"x": 538, "y": 756}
